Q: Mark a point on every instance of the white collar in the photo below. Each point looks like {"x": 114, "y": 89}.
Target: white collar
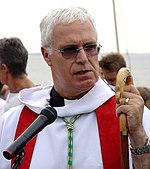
{"x": 37, "y": 98}
{"x": 100, "y": 93}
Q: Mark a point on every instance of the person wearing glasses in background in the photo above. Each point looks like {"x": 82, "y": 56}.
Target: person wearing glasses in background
{"x": 85, "y": 105}
{"x": 109, "y": 66}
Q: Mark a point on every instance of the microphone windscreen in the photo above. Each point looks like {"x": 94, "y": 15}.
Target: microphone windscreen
{"x": 50, "y": 113}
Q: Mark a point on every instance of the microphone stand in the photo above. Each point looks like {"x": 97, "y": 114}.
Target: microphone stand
{"x": 18, "y": 160}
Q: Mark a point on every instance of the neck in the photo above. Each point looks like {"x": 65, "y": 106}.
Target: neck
{"x": 20, "y": 83}
{"x": 71, "y": 95}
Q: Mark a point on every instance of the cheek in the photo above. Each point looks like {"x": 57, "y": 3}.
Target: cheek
{"x": 60, "y": 68}
{"x": 95, "y": 66}
{"x": 93, "y": 61}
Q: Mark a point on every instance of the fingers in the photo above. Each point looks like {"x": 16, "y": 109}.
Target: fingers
{"x": 130, "y": 92}
{"x": 132, "y": 89}
{"x": 130, "y": 103}
{"x": 124, "y": 101}
{"x": 132, "y": 106}
{"x": 130, "y": 100}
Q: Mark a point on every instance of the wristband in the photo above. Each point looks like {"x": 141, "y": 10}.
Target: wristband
{"x": 141, "y": 150}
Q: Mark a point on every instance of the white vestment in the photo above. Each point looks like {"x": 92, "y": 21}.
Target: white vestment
{"x": 2, "y": 102}
{"x": 12, "y": 100}
{"x": 51, "y": 146}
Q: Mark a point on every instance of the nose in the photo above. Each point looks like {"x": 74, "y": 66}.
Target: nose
{"x": 81, "y": 56}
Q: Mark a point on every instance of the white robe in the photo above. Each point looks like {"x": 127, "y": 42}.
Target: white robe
{"x": 12, "y": 100}
{"x": 50, "y": 150}
{"x": 2, "y": 102}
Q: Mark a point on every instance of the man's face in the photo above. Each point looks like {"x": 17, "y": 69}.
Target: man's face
{"x": 73, "y": 76}
{"x": 110, "y": 77}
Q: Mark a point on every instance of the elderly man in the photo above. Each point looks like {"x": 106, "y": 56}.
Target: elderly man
{"x": 85, "y": 134}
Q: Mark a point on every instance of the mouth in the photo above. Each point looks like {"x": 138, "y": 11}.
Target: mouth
{"x": 82, "y": 72}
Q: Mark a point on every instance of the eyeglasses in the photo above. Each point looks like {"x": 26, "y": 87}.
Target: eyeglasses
{"x": 71, "y": 51}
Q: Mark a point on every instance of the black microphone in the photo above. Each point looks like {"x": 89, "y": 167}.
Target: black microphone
{"x": 46, "y": 117}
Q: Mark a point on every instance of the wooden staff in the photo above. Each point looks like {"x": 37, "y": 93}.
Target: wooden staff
{"x": 123, "y": 78}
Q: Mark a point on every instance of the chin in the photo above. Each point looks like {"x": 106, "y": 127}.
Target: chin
{"x": 87, "y": 84}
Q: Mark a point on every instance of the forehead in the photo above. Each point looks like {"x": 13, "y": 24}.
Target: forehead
{"x": 75, "y": 32}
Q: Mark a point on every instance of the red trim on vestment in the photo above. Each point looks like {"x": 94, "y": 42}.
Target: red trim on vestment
{"x": 26, "y": 118}
{"x": 109, "y": 133}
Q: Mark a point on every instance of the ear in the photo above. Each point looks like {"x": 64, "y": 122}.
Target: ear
{"x": 46, "y": 56}
{"x": 4, "y": 68}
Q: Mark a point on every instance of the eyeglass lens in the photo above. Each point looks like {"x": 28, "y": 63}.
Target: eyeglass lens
{"x": 72, "y": 51}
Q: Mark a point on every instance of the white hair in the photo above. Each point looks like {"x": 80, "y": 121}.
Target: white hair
{"x": 61, "y": 16}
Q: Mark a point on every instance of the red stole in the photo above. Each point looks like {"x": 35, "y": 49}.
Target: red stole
{"x": 108, "y": 125}
{"x": 26, "y": 118}
{"x": 109, "y": 133}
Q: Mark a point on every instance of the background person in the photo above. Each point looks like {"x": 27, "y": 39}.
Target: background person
{"x": 13, "y": 62}
{"x": 145, "y": 93}
{"x": 109, "y": 66}
{"x": 85, "y": 105}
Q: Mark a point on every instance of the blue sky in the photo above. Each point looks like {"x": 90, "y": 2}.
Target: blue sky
{"x": 21, "y": 18}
